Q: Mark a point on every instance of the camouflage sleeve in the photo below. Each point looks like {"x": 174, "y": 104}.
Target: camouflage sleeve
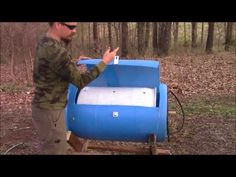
{"x": 62, "y": 65}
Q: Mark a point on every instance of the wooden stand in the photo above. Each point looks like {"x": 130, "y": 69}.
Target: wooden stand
{"x": 82, "y": 147}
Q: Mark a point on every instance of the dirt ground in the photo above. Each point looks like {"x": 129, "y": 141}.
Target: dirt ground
{"x": 205, "y": 84}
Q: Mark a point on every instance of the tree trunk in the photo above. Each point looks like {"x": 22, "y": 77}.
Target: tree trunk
{"x": 104, "y": 31}
{"x": 82, "y": 36}
{"x": 194, "y": 34}
{"x": 210, "y": 36}
{"x": 164, "y": 38}
{"x": 116, "y": 32}
{"x": 89, "y": 37}
{"x": 176, "y": 31}
{"x": 25, "y": 51}
{"x": 96, "y": 38}
{"x": 147, "y": 36}
{"x": 124, "y": 39}
{"x": 141, "y": 38}
{"x": 228, "y": 36}
{"x": 12, "y": 61}
{"x": 202, "y": 35}
{"x": 185, "y": 37}
{"x": 109, "y": 34}
{"x": 1, "y": 53}
{"x": 31, "y": 62}
{"x": 154, "y": 38}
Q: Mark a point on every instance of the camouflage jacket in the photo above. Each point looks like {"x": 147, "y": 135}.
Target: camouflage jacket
{"x": 52, "y": 73}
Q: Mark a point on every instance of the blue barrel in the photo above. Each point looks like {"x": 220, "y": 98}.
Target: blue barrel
{"x": 126, "y": 102}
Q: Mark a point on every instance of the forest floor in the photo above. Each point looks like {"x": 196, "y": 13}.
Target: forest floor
{"x": 205, "y": 85}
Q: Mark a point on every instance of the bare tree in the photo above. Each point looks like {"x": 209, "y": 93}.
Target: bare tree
{"x": 210, "y": 36}
{"x": 9, "y": 47}
{"x": 124, "y": 39}
{"x": 202, "y": 34}
{"x": 25, "y": 51}
{"x": 96, "y": 38}
{"x": 185, "y": 36}
{"x": 141, "y": 38}
{"x": 176, "y": 31}
{"x": 89, "y": 37}
{"x": 12, "y": 61}
{"x": 82, "y": 35}
{"x": 1, "y": 54}
{"x": 164, "y": 38}
{"x": 109, "y": 34}
{"x": 228, "y": 36}
{"x": 194, "y": 34}
{"x": 116, "y": 27}
{"x": 154, "y": 38}
{"x": 147, "y": 33}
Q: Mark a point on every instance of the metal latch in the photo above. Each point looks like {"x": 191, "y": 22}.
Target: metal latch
{"x": 116, "y": 60}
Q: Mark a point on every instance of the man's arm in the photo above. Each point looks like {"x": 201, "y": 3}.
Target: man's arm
{"x": 63, "y": 66}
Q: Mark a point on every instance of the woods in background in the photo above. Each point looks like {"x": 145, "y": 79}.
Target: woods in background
{"x": 136, "y": 40}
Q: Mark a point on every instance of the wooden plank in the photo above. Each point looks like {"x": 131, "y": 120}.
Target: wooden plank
{"x": 158, "y": 151}
{"x": 76, "y": 143}
{"x": 163, "y": 152}
{"x": 82, "y": 147}
{"x": 128, "y": 148}
{"x": 92, "y": 153}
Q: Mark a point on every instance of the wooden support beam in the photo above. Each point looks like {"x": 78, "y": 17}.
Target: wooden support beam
{"x": 78, "y": 145}
{"x": 117, "y": 148}
{"x": 82, "y": 147}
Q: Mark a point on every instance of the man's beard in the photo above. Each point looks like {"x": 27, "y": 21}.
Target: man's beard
{"x": 67, "y": 41}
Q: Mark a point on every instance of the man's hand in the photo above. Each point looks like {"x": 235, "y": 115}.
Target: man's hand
{"x": 109, "y": 56}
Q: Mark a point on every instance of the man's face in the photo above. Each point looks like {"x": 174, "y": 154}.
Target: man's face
{"x": 67, "y": 30}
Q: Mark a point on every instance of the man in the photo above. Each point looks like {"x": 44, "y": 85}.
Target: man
{"x": 53, "y": 71}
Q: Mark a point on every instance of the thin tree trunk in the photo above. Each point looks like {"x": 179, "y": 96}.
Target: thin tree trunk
{"x": 225, "y": 27}
{"x": 12, "y": 61}
{"x": 228, "y": 36}
{"x": 176, "y": 31}
{"x": 104, "y": 30}
{"x": 124, "y": 39}
{"x": 89, "y": 36}
{"x": 82, "y": 36}
{"x": 26, "y": 68}
{"x": 1, "y": 53}
{"x": 194, "y": 34}
{"x": 96, "y": 38}
{"x": 210, "y": 36}
{"x": 141, "y": 38}
{"x": 164, "y": 38}
{"x": 117, "y": 33}
{"x": 154, "y": 38}
{"x": 109, "y": 34}
{"x": 31, "y": 62}
{"x": 25, "y": 45}
{"x": 185, "y": 36}
{"x": 147, "y": 36}
{"x": 202, "y": 34}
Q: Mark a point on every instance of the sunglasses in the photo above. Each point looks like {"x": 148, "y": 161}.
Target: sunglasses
{"x": 70, "y": 27}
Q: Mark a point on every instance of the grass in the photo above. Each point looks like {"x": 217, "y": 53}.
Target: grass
{"x": 12, "y": 87}
{"x": 223, "y": 106}
{"x": 9, "y": 87}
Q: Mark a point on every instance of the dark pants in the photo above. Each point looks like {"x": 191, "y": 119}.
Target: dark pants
{"x": 51, "y": 128}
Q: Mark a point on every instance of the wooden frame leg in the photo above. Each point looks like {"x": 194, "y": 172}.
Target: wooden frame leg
{"x": 77, "y": 144}
{"x": 153, "y": 148}
{"x": 83, "y": 146}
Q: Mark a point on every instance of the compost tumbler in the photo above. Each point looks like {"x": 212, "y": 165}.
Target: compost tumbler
{"x": 127, "y": 102}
